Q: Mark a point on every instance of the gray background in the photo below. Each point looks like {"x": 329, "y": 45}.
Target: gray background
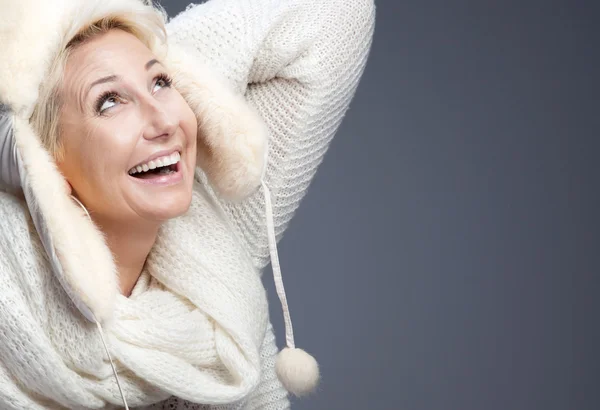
{"x": 447, "y": 253}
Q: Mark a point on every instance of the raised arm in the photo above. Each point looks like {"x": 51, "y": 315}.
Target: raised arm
{"x": 299, "y": 63}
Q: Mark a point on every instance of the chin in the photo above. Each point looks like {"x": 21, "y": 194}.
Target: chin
{"x": 164, "y": 209}
{"x": 160, "y": 205}
{"x": 163, "y": 197}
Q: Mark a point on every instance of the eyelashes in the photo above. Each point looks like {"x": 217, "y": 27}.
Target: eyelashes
{"x": 103, "y": 98}
{"x": 163, "y": 80}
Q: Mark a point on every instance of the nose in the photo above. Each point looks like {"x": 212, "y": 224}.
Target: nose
{"x": 160, "y": 122}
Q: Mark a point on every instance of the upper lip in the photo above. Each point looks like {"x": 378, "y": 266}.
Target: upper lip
{"x": 158, "y": 154}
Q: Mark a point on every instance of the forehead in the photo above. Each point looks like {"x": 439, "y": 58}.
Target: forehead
{"x": 113, "y": 53}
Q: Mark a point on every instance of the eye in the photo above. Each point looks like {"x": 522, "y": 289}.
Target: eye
{"x": 107, "y": 100}
{"x": 162, "y": 81}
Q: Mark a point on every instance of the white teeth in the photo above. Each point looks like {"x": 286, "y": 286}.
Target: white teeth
{"x": 174, "y": 158}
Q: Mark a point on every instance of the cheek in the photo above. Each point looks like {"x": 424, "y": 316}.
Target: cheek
{"x": 189, "y": 126}
{"x": 73, "y": 161}
{"x": 191, "y": 131}
{"x": 97, "y": 152}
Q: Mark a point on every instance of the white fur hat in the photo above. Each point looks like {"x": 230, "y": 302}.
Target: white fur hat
{"x": 231, "y": 151}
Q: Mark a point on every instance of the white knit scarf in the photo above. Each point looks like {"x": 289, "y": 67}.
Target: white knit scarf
{"x": 192, "y": 327}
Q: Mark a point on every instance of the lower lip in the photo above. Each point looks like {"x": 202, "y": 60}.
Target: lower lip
{"x": 163, "y": 180}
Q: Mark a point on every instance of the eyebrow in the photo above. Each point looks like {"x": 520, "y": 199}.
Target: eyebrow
{"x": 83, "y": 96}
{"x": 150, "y": 63}
{"x": 109, "y": 79}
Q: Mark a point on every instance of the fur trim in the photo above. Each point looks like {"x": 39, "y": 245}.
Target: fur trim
{"x": 232, "y": 137}
{"x": 87, "y": 265}
{"x": 30, "y": 33}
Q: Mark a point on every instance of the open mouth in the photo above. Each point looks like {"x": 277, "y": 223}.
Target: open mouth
{"x": 159, "y": 167}
{"x": 152, "y": 173}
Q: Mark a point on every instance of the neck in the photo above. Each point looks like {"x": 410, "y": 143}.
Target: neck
{"x": 130, "y": 246}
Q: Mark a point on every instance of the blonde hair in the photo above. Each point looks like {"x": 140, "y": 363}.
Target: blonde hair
{"x": 147, "y": 24}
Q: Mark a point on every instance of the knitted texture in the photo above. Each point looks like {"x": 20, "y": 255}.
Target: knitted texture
{"x": 196, "y": 327}
{"x": 268, "y": 396}
{"x": 193, "y": 327}
{"x": 299, "y": 63}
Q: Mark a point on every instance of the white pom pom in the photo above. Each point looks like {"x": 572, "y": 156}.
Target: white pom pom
{"x": 297, "y": 370}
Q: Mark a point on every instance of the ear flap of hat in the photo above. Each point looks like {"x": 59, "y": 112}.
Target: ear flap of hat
{"x": 75, "y": 247}
{"x": 232, "y": 137}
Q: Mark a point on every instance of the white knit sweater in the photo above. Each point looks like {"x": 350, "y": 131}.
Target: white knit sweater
{"x": 299, "y": 63}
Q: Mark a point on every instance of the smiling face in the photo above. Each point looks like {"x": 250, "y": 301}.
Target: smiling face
{"x": 120, "y": 117}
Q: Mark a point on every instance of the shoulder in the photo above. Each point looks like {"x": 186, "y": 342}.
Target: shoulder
{"x": 14, "y": 223}
{"x": 13, "y": 209}
{"x": 24, "y": 268}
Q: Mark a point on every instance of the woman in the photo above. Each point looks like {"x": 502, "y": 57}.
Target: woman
{"x": 146, "y": 183}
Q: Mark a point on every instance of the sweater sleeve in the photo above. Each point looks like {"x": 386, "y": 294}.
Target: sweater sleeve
{"x": 298, "y": 62}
